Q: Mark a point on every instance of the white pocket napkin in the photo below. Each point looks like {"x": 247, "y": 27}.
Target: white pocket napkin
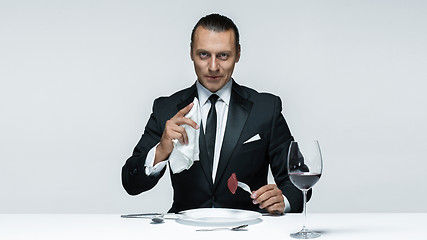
{"x": 252, "y": 139}
{"x": 183, "y": 156}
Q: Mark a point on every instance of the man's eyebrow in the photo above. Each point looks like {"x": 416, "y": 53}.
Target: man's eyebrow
{"x": 219, "y": 52}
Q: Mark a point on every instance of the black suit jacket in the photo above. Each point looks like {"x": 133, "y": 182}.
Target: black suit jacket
{"x": 249, "y": 113}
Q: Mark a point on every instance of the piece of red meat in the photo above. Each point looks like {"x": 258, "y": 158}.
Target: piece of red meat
{"x": 232, "y": 183}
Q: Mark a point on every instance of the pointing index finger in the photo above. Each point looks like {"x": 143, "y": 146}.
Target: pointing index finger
{"x": 180, "y": 118}
{"x": 185, "y": 110}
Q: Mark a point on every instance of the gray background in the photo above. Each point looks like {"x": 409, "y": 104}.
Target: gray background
{"x": 78, "y": 79}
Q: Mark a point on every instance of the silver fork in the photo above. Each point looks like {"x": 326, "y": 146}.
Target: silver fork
{"x": 238, "y": 228}
{"x": 244, "y": 186}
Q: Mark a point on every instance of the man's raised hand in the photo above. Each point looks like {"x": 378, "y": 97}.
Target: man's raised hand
{"x": 174, "y": 130}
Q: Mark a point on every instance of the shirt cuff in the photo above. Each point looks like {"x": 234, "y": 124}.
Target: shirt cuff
{"x": 287, "y": 204}
{"x": 151, "y": 170}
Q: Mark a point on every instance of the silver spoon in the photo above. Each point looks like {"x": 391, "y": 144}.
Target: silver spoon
{"x": 237, "y": 228}
{"x": 158, "y": 219}
{"x": 155, "y": 217}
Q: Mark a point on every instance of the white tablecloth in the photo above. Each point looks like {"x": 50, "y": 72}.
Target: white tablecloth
{"x": 112, "y": 226}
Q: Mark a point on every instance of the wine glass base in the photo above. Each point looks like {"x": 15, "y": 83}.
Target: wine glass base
{"x": 305, "y": 235}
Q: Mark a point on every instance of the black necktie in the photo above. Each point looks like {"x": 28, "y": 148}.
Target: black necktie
{"x": 210, "y": 132}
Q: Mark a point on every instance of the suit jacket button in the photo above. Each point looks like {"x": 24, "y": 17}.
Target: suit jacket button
{"x": 134, "y": 172}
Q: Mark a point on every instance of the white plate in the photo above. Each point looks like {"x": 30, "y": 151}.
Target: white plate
{"x": 218, "y": 217}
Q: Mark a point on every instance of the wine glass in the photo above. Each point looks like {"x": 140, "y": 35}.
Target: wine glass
{"x": 304, "y": 169}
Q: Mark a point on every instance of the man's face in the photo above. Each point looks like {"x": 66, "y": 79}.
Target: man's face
{"x": 214, "y": 56}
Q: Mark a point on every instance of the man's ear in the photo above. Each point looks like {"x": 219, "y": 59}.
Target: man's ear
{"x": 238, "y": 53}
{"x": 191, "y": 52}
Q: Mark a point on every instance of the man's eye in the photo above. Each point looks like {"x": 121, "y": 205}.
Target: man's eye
{"x": 223, "y": 56}
{"x": 203, "y": 55}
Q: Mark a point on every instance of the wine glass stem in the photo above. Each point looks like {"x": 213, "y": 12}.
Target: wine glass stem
{"x": 304, "y": 228}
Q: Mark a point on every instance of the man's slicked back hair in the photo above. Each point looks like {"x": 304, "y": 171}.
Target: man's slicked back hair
{"x": 217, "y": 23}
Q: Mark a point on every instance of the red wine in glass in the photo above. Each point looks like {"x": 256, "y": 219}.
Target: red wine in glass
{"x": 304, "y": 180}
{"x": 304, "y": 170}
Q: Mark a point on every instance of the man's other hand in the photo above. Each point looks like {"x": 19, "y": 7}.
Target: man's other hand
{"x": 269, "y": 197}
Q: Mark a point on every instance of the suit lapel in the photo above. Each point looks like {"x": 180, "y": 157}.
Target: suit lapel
{"x": 186, "y": 99}
{"x": 238, "y": 113}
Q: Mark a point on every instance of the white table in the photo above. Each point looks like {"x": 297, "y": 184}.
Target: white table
{"x": 112, "y": 226}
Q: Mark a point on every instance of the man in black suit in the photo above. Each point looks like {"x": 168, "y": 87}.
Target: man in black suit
{"x": 250, "y": 134}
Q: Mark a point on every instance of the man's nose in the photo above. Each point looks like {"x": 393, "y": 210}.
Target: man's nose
{"x": 213, "y": 64}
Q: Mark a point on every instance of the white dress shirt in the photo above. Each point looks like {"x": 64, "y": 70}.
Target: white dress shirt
{"x": 221, "y": 105}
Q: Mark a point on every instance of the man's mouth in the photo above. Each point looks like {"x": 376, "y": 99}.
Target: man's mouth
{"x": 213, "y": 77}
